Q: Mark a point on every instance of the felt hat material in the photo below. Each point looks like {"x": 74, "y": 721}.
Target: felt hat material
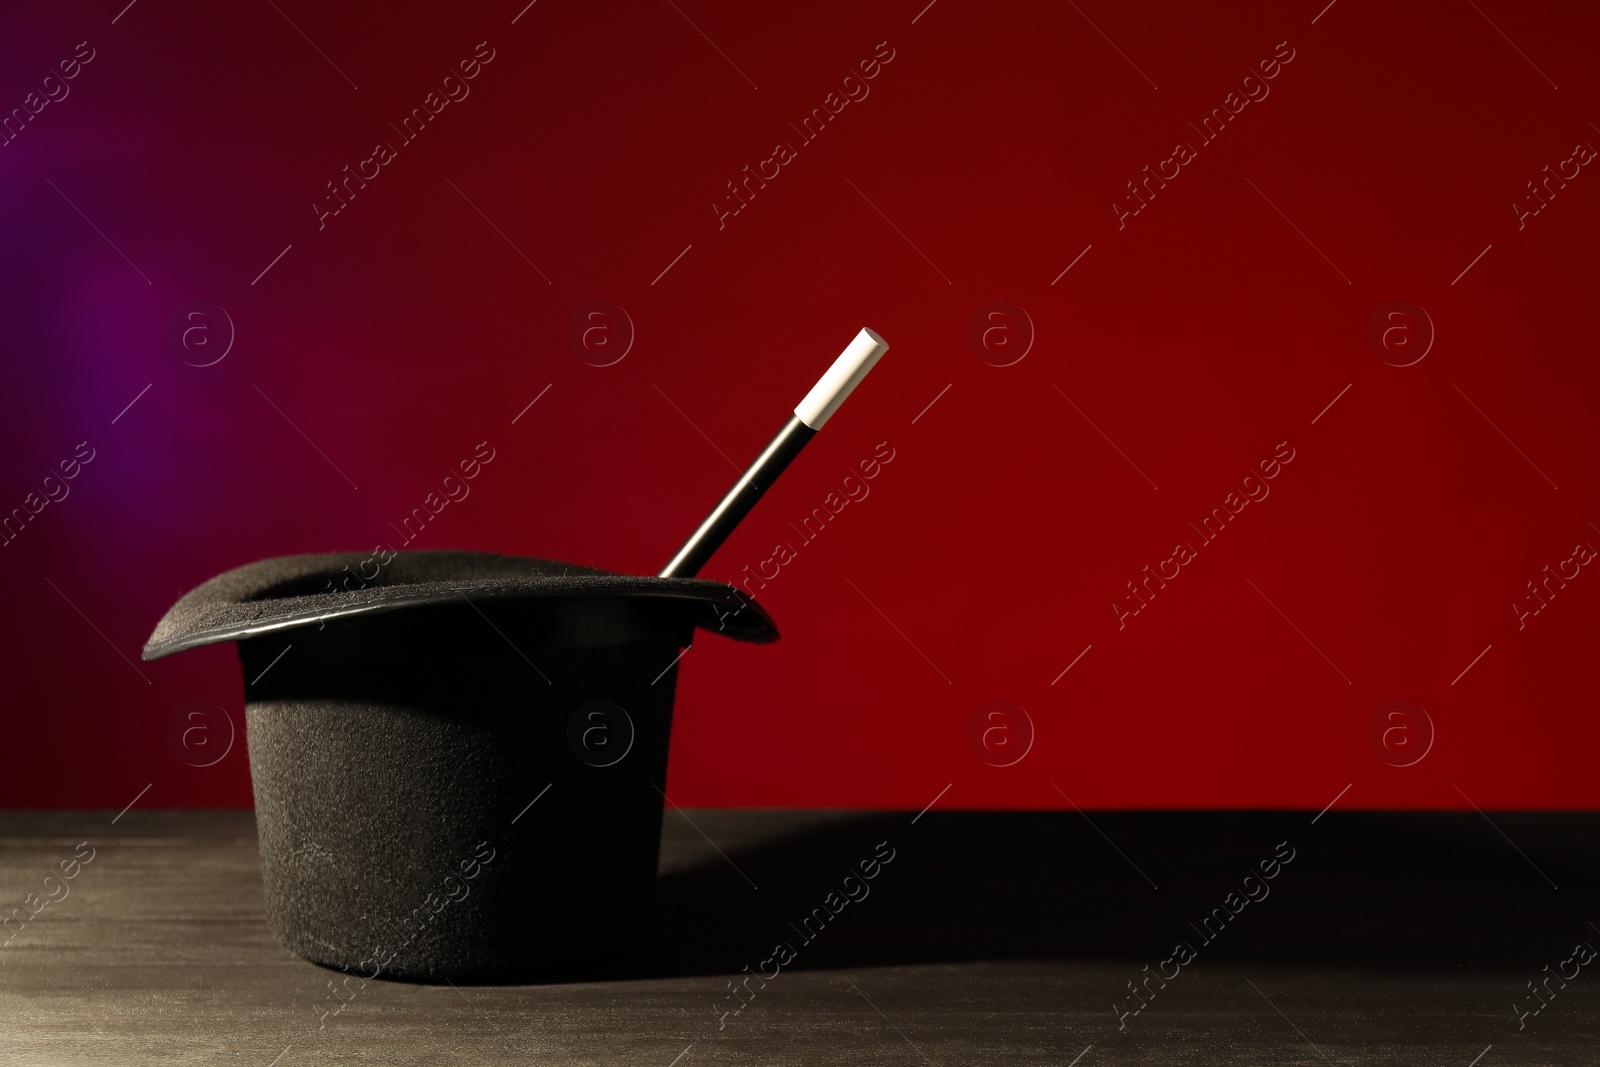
{"x": 295, "y": 591}
{"x": 459, "y": 764}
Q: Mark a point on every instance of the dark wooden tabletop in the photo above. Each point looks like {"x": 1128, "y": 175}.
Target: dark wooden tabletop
{"x": 988, "y": 938}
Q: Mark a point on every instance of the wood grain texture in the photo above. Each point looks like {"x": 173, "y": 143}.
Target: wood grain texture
{"x": 988, "y": 938}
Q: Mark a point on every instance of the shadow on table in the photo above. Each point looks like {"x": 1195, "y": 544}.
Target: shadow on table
{"x": 1362, "y": 889}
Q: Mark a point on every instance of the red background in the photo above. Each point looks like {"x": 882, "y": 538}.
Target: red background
{"x": 1198, "y": 336}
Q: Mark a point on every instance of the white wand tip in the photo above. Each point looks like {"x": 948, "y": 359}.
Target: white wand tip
{"x": 846, "y": 373}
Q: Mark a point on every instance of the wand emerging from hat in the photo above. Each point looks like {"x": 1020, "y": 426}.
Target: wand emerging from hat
{"x": 810, "y": 414}
{"x": 474, "y": 732}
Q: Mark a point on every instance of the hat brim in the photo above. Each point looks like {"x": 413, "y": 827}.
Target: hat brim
{"x": 292, "y": 591}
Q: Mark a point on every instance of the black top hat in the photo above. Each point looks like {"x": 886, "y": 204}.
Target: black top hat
{"x": 422, "y": 705}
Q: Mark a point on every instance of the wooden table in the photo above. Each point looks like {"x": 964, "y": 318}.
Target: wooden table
{"x": 988, "y": 938}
